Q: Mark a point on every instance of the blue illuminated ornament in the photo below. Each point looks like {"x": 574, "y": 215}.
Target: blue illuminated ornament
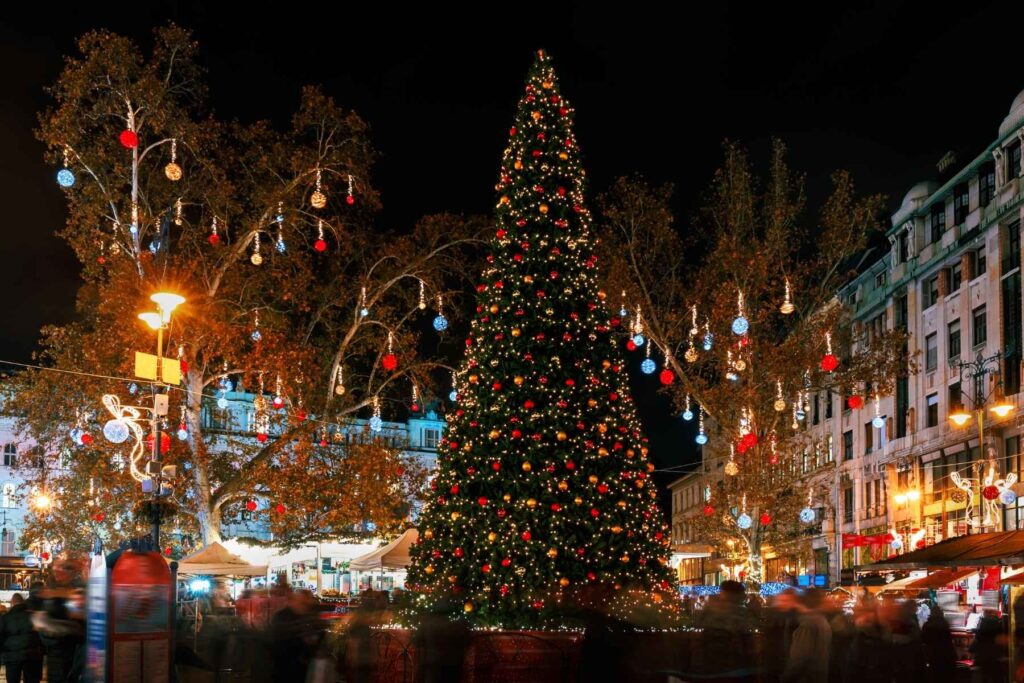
{"x": 800, "y": 413}
{"x": 279, "y": 244}
{"x": 440, "y": 323}
{"x": 709, "y": 340}
{"x": 878, "y": 422}
{"x": 222, "y": 402}
{"x": 133, "y": 388}
{"x": 687, "y": 414}
{"x": 76, "y": 435}
{"x": 1007, "y": 497}
{"x": 133, "y": 228}
{"x": 65, "y": 178}
{"x": 740, "y": 325}
{"x": 364, "y": 312}
{"x": 648, "y": 366}
{"x": 182, "y": 433}
{"x": 115, "y": 431}
{"x": 453, "y": 395}
{"x": 896, "y": 543}
{"x": 376, "y": 424}
{"x": 256, "y": 335}
{"x": 638, "y": 339}
{"x": 744, "y": 521}
{"x": 807, "y": 515}
{"x": 623, "y": 313}
{"x": 702, "y": 438}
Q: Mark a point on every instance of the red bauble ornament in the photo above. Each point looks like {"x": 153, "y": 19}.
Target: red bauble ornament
{"x": 129, "y": 138}
{"x": 708, "y": 510}
{"x": 555, "y": 507}
{"x": 167, "y": 551}
{"x": 990, "y": 492}
{"x": 591, "y": 576}
{"x": 213, "y": 239}
{"x": 459, "y": 552}
{"x": 496, "y": 465}
{"x": 323, "y": 443}
{"x": 86, "y": 439}
{"x": 505, "y": 562}
{"x": 920, "y": 544}
{"x": 766, "y": 519}
{"x": 829, "y": 362}
{"x": 44, "y": 556}
{"x": 389, "y": 362}
{"x": 300, "y": 415}
{"x": 350, "y": 200}
{"x": 481, "y": 500}
{"x": 415, "y": 407}
{"x": 602, "y": 488}
{"x": 99, "y": 517}
{"x": 501, "y": 513}
{"x": 486, "y": 568}
{"x": 280, "y": 508}
{"x": 504, "y": 589}
{"x": 667, "y": 377}
{"x": 165, "y": 442}
{"x": 529, "y": 405}
{"x": 855, "y": 402}
{"x": 594, "y": 512}
{"x": 454, "y": 489}
{"x": 261, "y": 436}
{"x": 320, "y": 245}
{"x": 630, "y": 345}
{"x": 526, "y": 536}
{"x": 250, "y": 505}
{"x": 279, "y": 402}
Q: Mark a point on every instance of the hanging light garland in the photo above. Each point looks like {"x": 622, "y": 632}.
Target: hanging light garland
{"x": 256, "y": 334}
{"x": 701, "y": 438}
{"x": 787, "y": 306}
{"x": 172, "y": 170}
{"x": 389, "y": 361}
{"x": 453, "y": 395}
{"x": 320, "y": 244}
{"x": 780, "y": 401}
{"x": 278, "y": 394}
{"x": 65, "y": 176}
{"x": 638, "y": 329}
{"x": 376, "y": 424}
{"x": 878, "y": 421}
{"x": 256, "y": 258}
{"x": 339, "y": 381}
{"x": 829, "y": 362}
{"x": 740, "y": 325}
{"x": 648, "y": 366}
{"x": 214, "y": 238}
{"x": 363, "y": 309}
{"x": 415, "y": 406}
{"x": 687, "y": 412}
{"x": 318, "y": 199}
{"x": 807, "y": 514}
{"x": 440, "y": 322}
{"x": 709, "y": 338}
{"x": 731, "y": 468}
{"x": 350, "y": 198}
{"x": 279, "y": 242}
{"x": 422, "y": 305}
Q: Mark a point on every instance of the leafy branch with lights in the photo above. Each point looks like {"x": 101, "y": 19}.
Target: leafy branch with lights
{"x": 292, "y": 292}
{"x": 542, "y": 498}
{"x": 744, "y": 311}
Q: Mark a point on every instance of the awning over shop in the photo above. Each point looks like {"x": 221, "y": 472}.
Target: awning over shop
{"x": 898, "y": 585}
{"x": 1014, "y": 580}
{"x": 394, "y": 555}
{"x": 941, "y": 578}
{"x": 1004, "y": 548}
{"x": 215, "y": 560}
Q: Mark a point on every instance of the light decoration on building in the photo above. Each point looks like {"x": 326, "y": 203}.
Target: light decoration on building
{"x": 878, "y": 421}
{"x": 125, "y": 424}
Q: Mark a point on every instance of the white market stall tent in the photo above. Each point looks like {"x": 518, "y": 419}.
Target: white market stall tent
{"x": 394, "y": 555}
{"x": 216, "y": 560}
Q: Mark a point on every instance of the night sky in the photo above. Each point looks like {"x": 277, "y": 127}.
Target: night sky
{"x": 883, "y": 90}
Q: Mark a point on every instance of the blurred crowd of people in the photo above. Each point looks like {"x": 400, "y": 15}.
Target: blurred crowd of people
{"x": 814, "y": 638}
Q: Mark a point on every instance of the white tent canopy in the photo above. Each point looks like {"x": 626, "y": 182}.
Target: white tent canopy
{"x": 215, "y": 560}
{"x": 394, "y": 555}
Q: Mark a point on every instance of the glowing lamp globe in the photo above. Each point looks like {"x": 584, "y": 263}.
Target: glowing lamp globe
{"x": 990, "y": 492}
{"x": 709, "y": 510}
{"x": 1007, "y": 497}
{"x": 740, "y": 325}
{"x": 389, "y": 362}
{"x": 855, "y": 402}
{"x": 648, "y": 366}
{"x": 878, "y": 422}
{"x": 807, "y": 515}
{"x": 744, "y": 521}
{"x": 766, "y": 519}
{"x": 256, "y": 335}
{"x": 65, "y": 177}
{"x": 701, "y": 439}
{"x": 115, "y": 431}
{"x": 638, "y": 339}
{"x": 779, "y": 405}
{"x": 376, "y": 424}
{"x": 666, "y": 377}
{"x": 440, "y": 323}
{"x": 173, "y": 172}
{"x": 687, "y": 414}
{"x": 129, "y": 139}
{"x": 709, "y": 341}
{"x": 250, "y": 505}
{"x": 829, "y": 362}
{"x": 320, "y": 245}
{"x": 453, "y": 395}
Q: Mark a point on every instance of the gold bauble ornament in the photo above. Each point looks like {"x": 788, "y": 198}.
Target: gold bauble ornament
{"x": 518, "y": 165}
{"x": 643, "y": 451}
{"x": 260, "y": 403}
{"x": 452, "y": 578}
{"x": 503, "y": 200}
{"x": 531, "y": 503}
{"x": 256, "y": 259}
{"x": 602, "y": 451}
{"x": 552, "y": 553}
{"x": 639, "y": 483}
{"x": 516, "y": 332}
{"x": 690, "y": 355}
{"x": 339, "y": 389}
{"x": 172, "y": 171}
{"x": 492, "y": 537}
{"x": 428, "y": 534}
{"x": 578, "y": 500}
{"x": 546, "y": 85}
{"x": 429, "y": 569}
{"x": 630, "y": 453}
{"x": 740, "y": 365}
{"x": 616, "y": 529}
{"x": 563, "y": 486}
{"x": 563, "y": 582}
{"x": 494, "y": 434}
{"x": 494, "y": 308}
{"x": 506, "y": 497}
{"x": 468, "y": 607}
{"x": 527, "y": 279}
{"x": 318, "y": 199}
{"x": 602, "y": 427}
{"x": 787, "y": 307}
{"x": 561, "y": 436}
{"x": 518, "y": 380}
{"x": 455, "y": 515}
{"x": 779, "y": 405}
{"x": 563, "y": 156}
{"x": 731, "y": 468}
{"x": 606, "y": 364}
{"x": 592, "y": 479}
{"x": 473, "y": 379}
{"x": 543, "y": 208}
{"x": 535, "y": 115}
{"x": 591, "y": 403}
{"x": 621, "y": 503}
{"x": 527, "y": 467}
{"x": 549, "y": 311}
{"x": 625, "y": 558}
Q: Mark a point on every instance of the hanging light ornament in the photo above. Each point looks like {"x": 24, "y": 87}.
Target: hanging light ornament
{"x": 638, "y": 329}
{"x": 321, "y": 243}
{"x": 691, "y": 353}
{"x": 666, "y": 376}
{"x": 339, "y": 382}
{"x": 415, "y": 407}
{"x": 214, "y": 238}
{"x": 796, "y": 422}
{"x": 256, "y": 334}
{"x": 780, "y": 401}
{"x": 855, "y": 402}
{"x": 65, "y": 176}
{"x": 807, "y": 514}
{"x": 262, "y": 423}
{"x": 363, "y": 309}
{"x": 389, "y": 361}
{"x": 709, "y": 339}
{"x": 694, "y": 330}
{"x": 318, "y": 199}
{"x": 701, "y": 438}
{"x": 800, "y": 412}
{"x": 376, "y": 424}
{"x": 623, "y": 313}
{"x": 256, "y": 258}
{"x": 279, "y": 242}
{"x": 648, "y": 366}
{"x": 787, "y": 306}
{"x": 730, "y": 372}
{"x": 278, "y": 395}
{"x": 740, "y": 325}
{"x": 172, "y": 170}
{"x": 350, "y": 198}
{"x": 440, "y": 322}
{"x": 878, "y": 421}
{"x": 134, "y": 227}
{"x": 744, "y": 521}
{"x": 829, "y": 362}
{"x": 687, "y": 412}
{"x": 423, "y": 299}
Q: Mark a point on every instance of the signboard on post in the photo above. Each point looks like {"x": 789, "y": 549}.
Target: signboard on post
{"x": 145, "y": 368}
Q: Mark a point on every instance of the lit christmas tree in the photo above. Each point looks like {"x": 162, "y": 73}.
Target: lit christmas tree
{"x": 543, "y": 485}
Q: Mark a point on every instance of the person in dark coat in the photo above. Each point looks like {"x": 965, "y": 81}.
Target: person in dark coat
{"x": 60, "y": 621}
{"x": 441, "y": 644}
{"x": 986, "y": 650}
{"x": 22, "y": 648}
{"x": 938, "y": 647}
{"x": 780, "y": 620}
{"x": 870, "y": 655}
{"x": 809, "y": 651}
{"x": 295, "y": 633}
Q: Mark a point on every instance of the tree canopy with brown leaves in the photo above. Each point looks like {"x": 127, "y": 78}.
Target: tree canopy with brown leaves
{"x": 751, "y": 249}
{"x": 244, "y": 220}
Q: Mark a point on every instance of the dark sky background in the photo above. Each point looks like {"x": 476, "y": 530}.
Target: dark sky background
{"x": 882, "y": 89}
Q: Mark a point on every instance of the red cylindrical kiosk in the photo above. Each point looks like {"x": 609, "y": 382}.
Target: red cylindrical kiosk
{"x": 141, "y": 600}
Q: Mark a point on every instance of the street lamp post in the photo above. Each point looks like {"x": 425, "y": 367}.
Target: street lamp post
{"x": 977, "y": 371}
{"x": 165, "y": 302}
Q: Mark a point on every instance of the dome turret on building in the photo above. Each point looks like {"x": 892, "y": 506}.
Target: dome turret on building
{"x": 1016, "y": 116}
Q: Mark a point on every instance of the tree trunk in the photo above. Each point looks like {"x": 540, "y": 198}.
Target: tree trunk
{"x": 207, "y": 516}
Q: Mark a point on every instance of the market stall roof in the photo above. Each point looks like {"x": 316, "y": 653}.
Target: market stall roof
{"x": 1005, "y": 548}
{"x": 394, "y": 555}
{"x": 215, "y": 560}
{"x": 897, "y": 585}
{"x": 941, "y": 578}
{"x": 1013, "y": 579}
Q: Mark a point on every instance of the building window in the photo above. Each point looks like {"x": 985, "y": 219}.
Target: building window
{"x": 880, "y": 280}
{"x": 979, "y": 323}
{"x": 903, "y": 247}
{"x": 978, "y": 262}
{"x": 933, "y": 411}
{"x": 937, "y": 224}
{"x": 986, "y": 183}
{"x": 931, "y": 292}
{"x": 961, "y": 203}
{"x": 9, "y": 498}
{"x": 869, "y": 434}
{"x": 829, "y": 399}
{"x": 848, "y": 504}
{"x": 901, "y": 312}
{"x": 816, "y": 410}
{"x": 954, "y": 339}
{"x": 7, "y": 548}
{"x": 431, "y": 437}
{"x": 931, "y": 352}
{"x": 1011, "y": 247}
{"x": 10, "y": 454}
{"x": 1013, "y": 159}
{"x": 955, "y": 397}
{"x": 848, "y": 445}
{"x": 956, "y": 276}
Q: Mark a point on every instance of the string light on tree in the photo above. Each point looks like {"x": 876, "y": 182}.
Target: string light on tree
{"x": 415, "y": 405}
{"x": 172, "y": 170}
{"x": 701, "y": 438}
{"x": 65, "y": 176}
{"x": 279, "y": 242}
{"x": 320, "y": 244}
{"x": 440, "y": 322}
{"x": 780, "y": 401}
{"x": 339, "y": 381}
{"x": 318, "y": 199}
{"x": 182, "y": 433}
{"x": 256, "y": 258}
{"x": 364, "y": 310}
{"x": 278, "y": 393}
{"x": 709, "y": 338}
{"x": 687, "y": 412}
{"x": 423, "y": 298}
{"x": 740, "y": 325}
{"x": 787, "y": 306}
{"x": 350, "y": 198}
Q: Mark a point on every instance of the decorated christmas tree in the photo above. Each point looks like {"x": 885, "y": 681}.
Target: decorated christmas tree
{"x": 543, "y": 494}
